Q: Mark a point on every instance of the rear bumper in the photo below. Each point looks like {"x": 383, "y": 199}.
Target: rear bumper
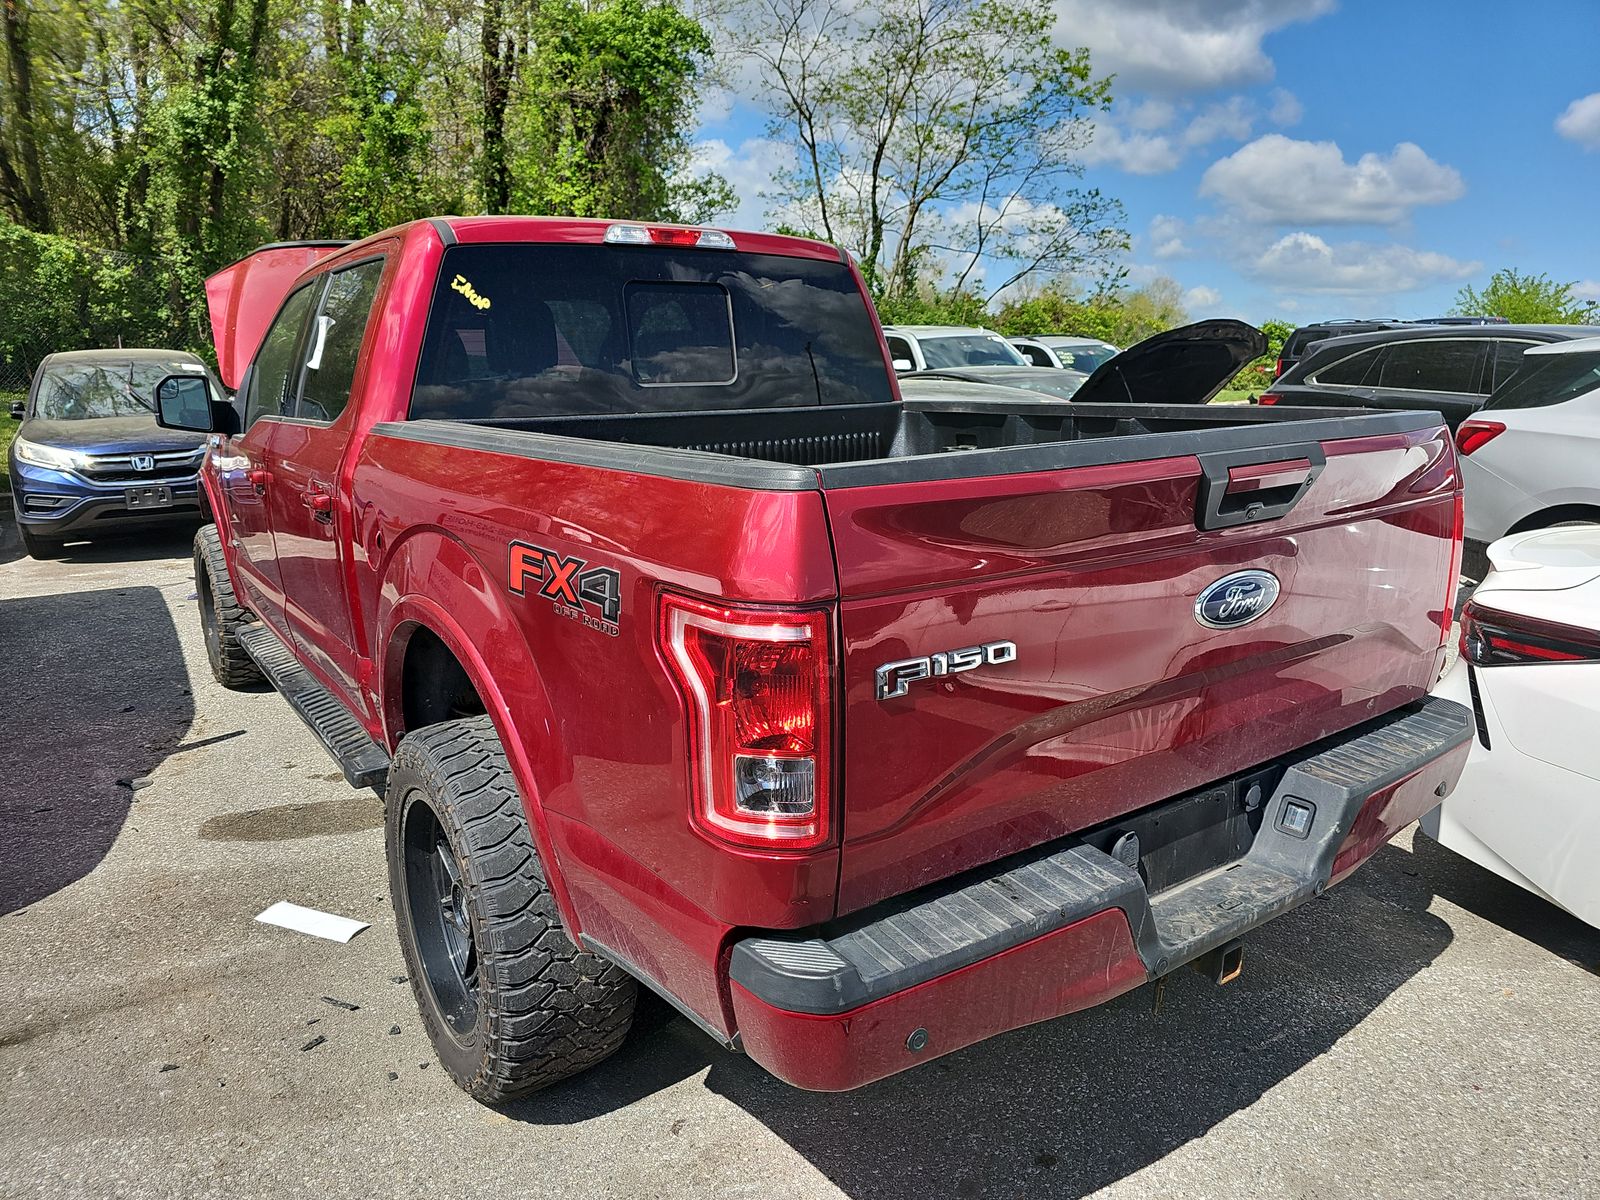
{"x": 1070, "y": 927}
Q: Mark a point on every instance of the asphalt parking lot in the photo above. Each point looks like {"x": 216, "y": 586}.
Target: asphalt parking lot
{"x": 1423, "y": 1030}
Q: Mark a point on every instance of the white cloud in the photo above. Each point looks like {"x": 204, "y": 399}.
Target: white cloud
{"x": 1166, "y": 237}
{"x": 1279, "y": 180}
{"x": 1200, "y": 300}
{"x": 1153, "y": 137}
{"x": 1286, "y": 108}
{"x": 1232, "y": 119}
{"x": 1581, "y": 122}
{"x": 1136, "y": 153}
{"x": 1586, "y": 289}
{"x": 1177, "y": 46}
{"x": 750, "y": 169}
{"x": 1303, "y": 262}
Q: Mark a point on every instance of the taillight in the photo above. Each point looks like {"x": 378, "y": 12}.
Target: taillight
{"x": 1277, "y": 368}
{"x": 1268, "y": 398}
{"x": 1491, "y": 638}
{"x": 667, "y": 235}
{"x": 1474, "y": 434}
{"x": 757, "y": 687}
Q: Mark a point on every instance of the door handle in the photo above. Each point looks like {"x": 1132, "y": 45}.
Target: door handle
{"x": 1239, "y": 487}
{"x": 320, "y": 504}
{"x": 259, "y": 478}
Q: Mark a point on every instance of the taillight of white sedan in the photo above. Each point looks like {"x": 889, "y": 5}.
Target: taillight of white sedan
{"x": 1528, "y": 804}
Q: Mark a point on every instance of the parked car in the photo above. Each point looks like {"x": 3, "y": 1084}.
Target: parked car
{"x": 1446, "y": 369}
{"x": 930, "y": 347}
{"x": 1052, "y": 381}
{"x": 89, "y": 457}
{"x": 686, "y": 653}
{"x": 1529, "y": 457}
{"x": 1525, "y": 807}
{"x": 1300, "y": 340}
{"x": 1073, "y": 353}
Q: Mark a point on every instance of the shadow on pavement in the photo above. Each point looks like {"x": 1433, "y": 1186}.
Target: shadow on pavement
{"x": 141, "y": 545}
{"x": 1064, "y": 1108}
{"x": 1500, "y": 902}
{"x": 95, "y": 691}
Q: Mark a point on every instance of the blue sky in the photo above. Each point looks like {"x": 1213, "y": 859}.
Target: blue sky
{"x": 1308, "y": 159}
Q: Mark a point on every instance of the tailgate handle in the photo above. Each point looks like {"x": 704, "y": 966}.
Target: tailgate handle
{"x": 1246, "y": 487}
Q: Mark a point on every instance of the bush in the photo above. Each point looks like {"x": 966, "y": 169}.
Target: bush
{"x": 58, "y": 295}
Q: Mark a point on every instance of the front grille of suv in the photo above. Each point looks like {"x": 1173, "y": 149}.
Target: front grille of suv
{"x": 169, "y": 466}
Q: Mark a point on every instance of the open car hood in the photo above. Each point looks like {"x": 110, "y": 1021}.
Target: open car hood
{"x": 244, "y": 297}
{"x": 1187, "y": 365}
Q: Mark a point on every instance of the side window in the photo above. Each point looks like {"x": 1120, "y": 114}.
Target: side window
{"x": 335, "y": 342}
{"x": 1442, "y": 366}
{"x": 899, "y": 349}
{"x": 277, "y": 365}
{"x": 1352, "y": 371}
{"x": 1507, "y": 358}
{"x": 1035, "y": 355}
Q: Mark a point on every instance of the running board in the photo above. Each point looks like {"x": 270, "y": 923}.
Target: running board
{"x": 363, "y": 761}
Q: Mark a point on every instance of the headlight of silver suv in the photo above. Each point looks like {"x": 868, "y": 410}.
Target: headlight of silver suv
{"x": 49, "y": 456}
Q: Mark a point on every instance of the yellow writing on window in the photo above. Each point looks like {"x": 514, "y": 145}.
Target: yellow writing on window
{"x": 460, "y": 284}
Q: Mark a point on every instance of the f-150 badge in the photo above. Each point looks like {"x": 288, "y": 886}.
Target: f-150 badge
{"x": 895, "y": 678}
{"x": 592, "y": 595}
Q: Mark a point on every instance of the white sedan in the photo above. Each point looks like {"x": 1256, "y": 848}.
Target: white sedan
{"x": 1528, "y": 804}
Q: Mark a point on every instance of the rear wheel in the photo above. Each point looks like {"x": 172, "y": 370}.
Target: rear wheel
{"x": 39, "y": 547}
{"x": 510, "y": 1003}
{"x": 221, "y": 614}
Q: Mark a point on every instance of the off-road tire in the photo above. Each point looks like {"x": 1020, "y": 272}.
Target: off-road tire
{"x": 221, "y": 614}
{"x": 540, "y": 1009}
{"x": 38, "y": 547}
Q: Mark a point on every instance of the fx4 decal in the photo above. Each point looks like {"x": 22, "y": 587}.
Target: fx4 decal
{"x": 592, "y": 595}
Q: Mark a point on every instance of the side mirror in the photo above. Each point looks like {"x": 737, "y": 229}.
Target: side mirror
{"x": 902, "y": 364}
{"x": 184, "y": 402}
{"x": 19, "y": 409}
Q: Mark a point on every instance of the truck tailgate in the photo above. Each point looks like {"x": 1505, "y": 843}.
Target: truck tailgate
{"x": 1117, "y": 696}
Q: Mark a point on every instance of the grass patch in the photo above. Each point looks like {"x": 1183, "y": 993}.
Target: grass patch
{"x": 8, "y": 430}
{"x": 1233, "y": 396}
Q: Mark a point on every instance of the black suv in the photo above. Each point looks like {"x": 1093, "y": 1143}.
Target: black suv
{"x": 1450, "y": 369}
{"x": 1298, "y": 342}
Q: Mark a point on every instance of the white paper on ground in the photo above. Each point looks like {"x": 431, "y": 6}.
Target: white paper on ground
{"x": 309, "y": 920}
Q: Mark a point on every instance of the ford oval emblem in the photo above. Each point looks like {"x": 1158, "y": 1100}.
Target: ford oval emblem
{"x": 1237, "y": 599}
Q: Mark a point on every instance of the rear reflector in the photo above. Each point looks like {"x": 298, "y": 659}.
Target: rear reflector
{"x": 1491, "y": 638}
{"x": 668, "y": 235}
{"x": 1475, "y": 434}
{"x": 756, "y": 686}
{"x": 1268, "y": 398}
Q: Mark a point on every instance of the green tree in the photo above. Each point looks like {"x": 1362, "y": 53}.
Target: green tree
{"x": 603, "y": 109}
{"x": 1525, "y": 300}
{"x": 1111, "y": 314}
{"x": 943, "y": 127}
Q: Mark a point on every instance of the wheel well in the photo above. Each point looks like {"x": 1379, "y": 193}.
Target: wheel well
{"x": 434, "y": 686}
{"x": 1547, "y": 517}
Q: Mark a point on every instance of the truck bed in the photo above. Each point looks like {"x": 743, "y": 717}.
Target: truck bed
{"x": 861, "y": 445}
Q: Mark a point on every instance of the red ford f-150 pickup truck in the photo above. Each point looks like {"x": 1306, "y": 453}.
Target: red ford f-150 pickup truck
{"x": 686, "y": 654}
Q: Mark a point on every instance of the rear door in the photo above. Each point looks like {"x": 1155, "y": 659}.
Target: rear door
{"x": 1444, "y": 375}
{"x": 311, "y": 518}
{"x": 1100, "y": 688}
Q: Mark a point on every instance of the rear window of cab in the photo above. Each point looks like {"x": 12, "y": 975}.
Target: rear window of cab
{"x": 533, "y": 330}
